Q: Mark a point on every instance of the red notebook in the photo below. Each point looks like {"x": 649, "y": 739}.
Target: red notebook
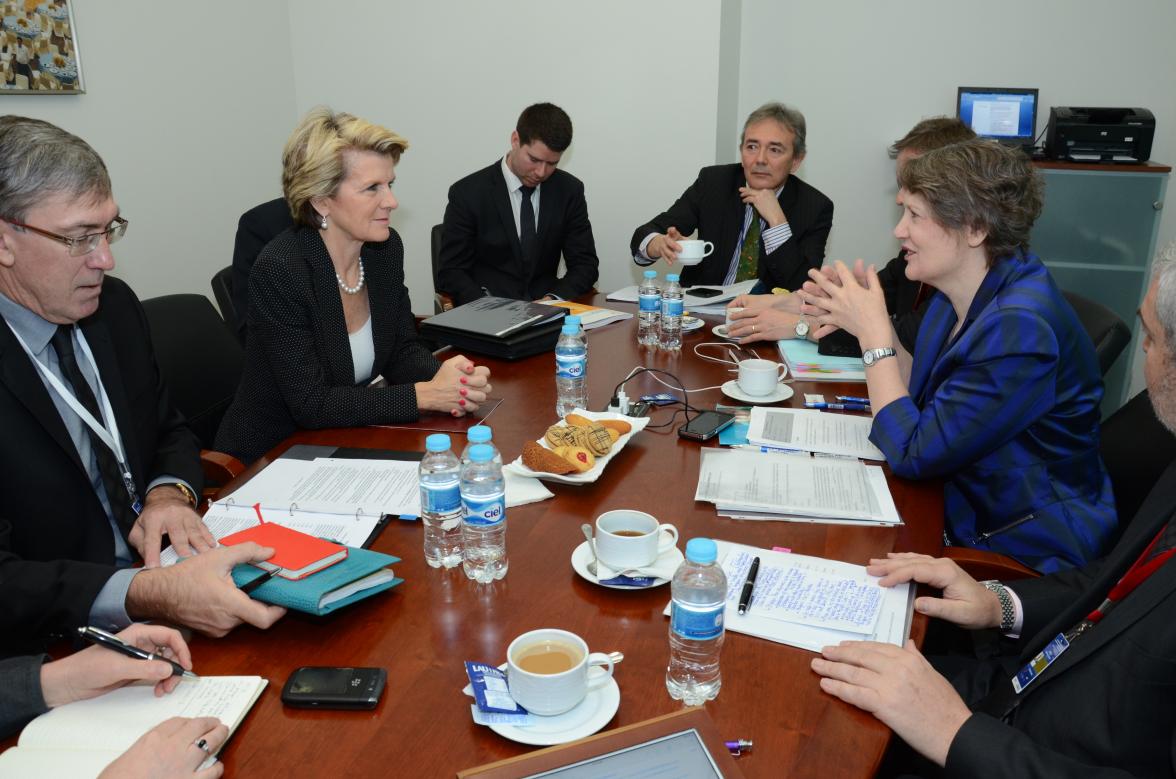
{"x": 296, "y": 554}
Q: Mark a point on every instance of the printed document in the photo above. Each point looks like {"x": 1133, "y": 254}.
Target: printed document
{"x": 812, "y": 430}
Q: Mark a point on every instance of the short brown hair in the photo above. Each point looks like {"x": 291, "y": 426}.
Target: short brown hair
{"x": 312, "y": 162}
{"x": 545, "y": 122}
{"x": 784, "y": 115}
{"x": 982, "y": 185}
{"x": 933, "y": 133}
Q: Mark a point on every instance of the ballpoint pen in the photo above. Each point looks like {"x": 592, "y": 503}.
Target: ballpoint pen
{"x": 253, "y": 584}
{"x": 748, "y": 586}
{"x": 851, "y": 399}
{"x": 113, "y": 642}
{"x": 839, "y": 406}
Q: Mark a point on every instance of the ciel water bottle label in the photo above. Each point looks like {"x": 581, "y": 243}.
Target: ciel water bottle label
{"x": 696, "y": 625}
{"x": 484, "y": 509}
{"x": 569, "y": 367}
{"x": 441, "y": 499}
{"x": 671, "y": 307}
{"x": 650, "y": 303}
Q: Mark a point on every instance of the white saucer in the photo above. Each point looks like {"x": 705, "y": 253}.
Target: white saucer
{"x": 691, "y": 323}
{"x": 582, "y": 555}
{"x": 783, "y": 392}
{"x": 721, "y": 332}
{"x": 592, "y": 714}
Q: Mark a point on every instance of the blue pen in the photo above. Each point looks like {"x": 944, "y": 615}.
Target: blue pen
{"x": 839, "y": 406}
{"x": 851, "y": 399}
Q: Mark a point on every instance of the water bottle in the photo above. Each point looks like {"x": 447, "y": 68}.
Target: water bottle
{"x": 483, "y": 510}
{"x": 571, "y": 364}
{"x": 670, "y": 326}
{"x": 441, "y": 503}
{"x": 699, "y": 592}
{"x": 649, "y": 295}
{"x": 574, "y": 320}
{"x": 480, "y": 434}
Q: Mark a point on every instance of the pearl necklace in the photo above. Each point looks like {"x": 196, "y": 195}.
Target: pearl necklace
{"x": 358, "y": 285}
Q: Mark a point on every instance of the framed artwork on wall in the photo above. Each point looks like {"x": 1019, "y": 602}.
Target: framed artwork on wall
{"x": 39, "y": 48}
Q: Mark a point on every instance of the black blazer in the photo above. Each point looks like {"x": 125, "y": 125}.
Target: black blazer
{"x": 1105, "y": 707}
{"x": 257, "y": 227}
{"x": 298, "y": 369}
{"x": 56, "y": 549}
{"x": 480, "y": 245}
{"x": 713, "y": 207}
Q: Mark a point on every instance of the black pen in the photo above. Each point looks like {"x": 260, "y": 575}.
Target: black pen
{"x": 109, "y": 641}
{"x": 748, "y": 586}
{"x": 253, "y": 584}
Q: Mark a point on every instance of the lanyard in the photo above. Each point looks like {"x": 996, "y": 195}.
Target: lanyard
{"x": 1136, "y": 575}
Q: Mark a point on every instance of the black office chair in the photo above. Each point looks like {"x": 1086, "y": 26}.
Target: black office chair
{"x": 1109, "y": 333}
{"x": 222, "y": 290}
{"x": 441, "y": 300}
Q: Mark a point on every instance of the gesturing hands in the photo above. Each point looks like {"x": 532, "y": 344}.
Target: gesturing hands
{"x": 836, "y": 297}
{"x": 457, "y": 388}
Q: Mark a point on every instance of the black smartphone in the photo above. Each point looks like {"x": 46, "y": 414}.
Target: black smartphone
{"x": 705, "y": 426}
{"x": 321, "y": 687}
{"x": 703, "y": 292}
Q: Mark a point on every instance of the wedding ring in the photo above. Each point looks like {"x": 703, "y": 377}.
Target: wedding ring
{"x": 202, "y": 744}
{"x": 755, "y": 328}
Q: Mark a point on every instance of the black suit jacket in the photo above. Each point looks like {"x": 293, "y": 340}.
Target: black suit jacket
{"x": 257, "y": 227}
{"x": 1105, "y": 706}
{"x": 480, "y": 245}
{"x": 56, "y": 548}
{"x": 298, "y": 368}
{"x": 713, "y": 207}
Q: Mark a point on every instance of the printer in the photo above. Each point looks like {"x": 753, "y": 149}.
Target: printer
{"x": 1111, "y": 135}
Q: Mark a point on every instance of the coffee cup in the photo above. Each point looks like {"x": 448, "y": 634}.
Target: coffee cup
{"x": 693, "y": 252}
{"x": 759, "y": 377}
{"x": 631, "y": 539}
{"x": 732, "y": 312}
{"x": 547, "y": 671}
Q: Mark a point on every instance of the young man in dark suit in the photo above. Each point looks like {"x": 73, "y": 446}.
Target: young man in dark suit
{"x": 507, "y": 225}
{"x": 1103, "y": 706}
{"x": 765, "y": 223}
{"x": 97, "y": 468}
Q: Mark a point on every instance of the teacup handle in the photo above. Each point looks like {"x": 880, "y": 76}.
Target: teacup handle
{"x": 672, "y": 531}
{"x": 599, "y": 659}
{"x": 781, "y": 372}
{"x": 707, "y": 248}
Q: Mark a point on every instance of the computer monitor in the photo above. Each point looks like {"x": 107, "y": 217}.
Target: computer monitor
{"x": 1008, "y": 115}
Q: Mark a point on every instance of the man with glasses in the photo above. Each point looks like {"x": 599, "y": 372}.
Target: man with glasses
{"x": 765, "y": 223}
{"x": 96, "y": 466}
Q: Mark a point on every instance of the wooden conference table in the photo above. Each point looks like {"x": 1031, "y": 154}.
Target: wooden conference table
{"x": 424, "y": 629}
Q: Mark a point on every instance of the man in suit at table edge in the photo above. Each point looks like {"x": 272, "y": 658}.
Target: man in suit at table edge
{"x": 1103, "y": 706}
{"x": 96, "y": 465}
{"x": 506, "y": 225}
{"x": 792, "y": 219}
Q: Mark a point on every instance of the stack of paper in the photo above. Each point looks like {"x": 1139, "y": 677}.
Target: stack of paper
{"x": 809, "y": 430}
{"x": 590, "y": 316}
{"x": 805, "y": 362}
{"x": 698, "y": 304}
{"x": 746, "y": 484}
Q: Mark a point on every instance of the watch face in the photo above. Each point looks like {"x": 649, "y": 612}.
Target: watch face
{"x": 868, "y": 357}
{"x": 802, "y": 328}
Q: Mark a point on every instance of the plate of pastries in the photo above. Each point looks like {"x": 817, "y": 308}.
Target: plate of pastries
{"x": 576, "y": 449}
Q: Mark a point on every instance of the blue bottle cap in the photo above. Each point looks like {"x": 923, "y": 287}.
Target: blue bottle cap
{"x": 572, "y": 319}
{"x": 482, "y": 453}
{"x": 650, "y": 274}
{"x": 671, "y": 277}
{"x": 438, "y": 442}
{"x": 479, "y": 434}
{"x": 701, "y": 550}
{"x": 570, "y": 330}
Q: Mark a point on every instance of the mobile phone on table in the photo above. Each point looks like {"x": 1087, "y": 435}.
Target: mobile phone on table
{"x": 703, "y": 292}
{"x": 705, "y": 426}
{"x": 333, "y": 687}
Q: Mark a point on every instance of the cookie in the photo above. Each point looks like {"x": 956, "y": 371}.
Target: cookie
{"x": 620, "y": 425}
{"x": 575, "y": 420}
{"x": 560, "y": 435}
{"x": 580, "y": 458}
{"x": 597, "y": 440}
{"x": 613, "y": 434}
{"x": 537, "y": 458}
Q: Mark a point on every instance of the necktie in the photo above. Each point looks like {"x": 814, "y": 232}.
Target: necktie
{"x": 749, "y": 251}
{"x": 527, "y": 236}
{"x": 116, "y": 491}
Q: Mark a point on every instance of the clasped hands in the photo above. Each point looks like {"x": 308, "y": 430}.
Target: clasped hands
{"x": 898, "y": 685}
{"x": 458, "y": 387}
{"x": 836, "y": 297}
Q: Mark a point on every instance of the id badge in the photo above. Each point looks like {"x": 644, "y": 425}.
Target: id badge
{"x": 132, "y": 493}
{"x": 1053, "y": 650}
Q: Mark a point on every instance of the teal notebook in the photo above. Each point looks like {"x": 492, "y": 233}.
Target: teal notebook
{"x": 362, "y": 574}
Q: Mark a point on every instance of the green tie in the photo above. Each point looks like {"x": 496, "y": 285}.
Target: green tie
{"x": 749, "y": 251}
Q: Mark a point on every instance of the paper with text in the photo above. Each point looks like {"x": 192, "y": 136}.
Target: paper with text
{"x": 813, "y": 431}
{"x": 334, "y": 486}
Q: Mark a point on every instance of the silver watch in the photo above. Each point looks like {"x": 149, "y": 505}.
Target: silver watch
{"x": 1007, "y": 614}
{"x": 871, "y": 356}
{"x": 802, "y": 328}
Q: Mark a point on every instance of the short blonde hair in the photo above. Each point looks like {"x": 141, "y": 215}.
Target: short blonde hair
{"x": 312, "y": 162}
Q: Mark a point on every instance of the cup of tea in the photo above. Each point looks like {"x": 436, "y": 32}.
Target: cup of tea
{"x": 693, "y": 252}
{"x": 630, "y": 539}
{"x": 547, "y": 671}
{"x": 759, "y": 377}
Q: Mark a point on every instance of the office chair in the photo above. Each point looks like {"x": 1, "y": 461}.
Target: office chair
{"x": 222, "y": 290}
{"x": 1136, "y": 449}
{"x": 201, "y": 363}
{"x": 441, "y": 300}
{"x": 1109, "y": 333}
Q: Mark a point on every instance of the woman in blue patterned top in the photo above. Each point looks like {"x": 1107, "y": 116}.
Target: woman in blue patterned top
{"x": 1001, "y": 397}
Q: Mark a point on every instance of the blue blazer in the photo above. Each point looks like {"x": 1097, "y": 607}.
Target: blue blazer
{"x": 1008, "y": 413}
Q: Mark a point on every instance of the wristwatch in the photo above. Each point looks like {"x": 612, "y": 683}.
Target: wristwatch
{"x": 184, "y": 489}
{"x": 1007, "y": 615}
{"x": 802, "y": 328}
{"x": 871, "y": 356}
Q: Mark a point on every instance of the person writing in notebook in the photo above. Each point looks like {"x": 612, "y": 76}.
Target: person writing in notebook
{"x": 30, "y": 686}
{"x": 98, "y": 471}
{"x": 1001, "y": 397}
{"x": 1100, "y": 703}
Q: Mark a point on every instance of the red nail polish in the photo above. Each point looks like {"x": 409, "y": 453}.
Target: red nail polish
{"x": 464, "y": 392}
{"x": 454, "y": 412}
{"x": 461, "y": 402}
{"x": 464, "y": 380}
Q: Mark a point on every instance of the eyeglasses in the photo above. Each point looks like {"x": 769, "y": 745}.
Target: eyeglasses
{"x": 83, "y": 244}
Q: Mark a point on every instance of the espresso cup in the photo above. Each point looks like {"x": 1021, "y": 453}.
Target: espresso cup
{"x": 693, "y": 252}
{"x": 547, "y": 671}
{"x": 631, "y": 539}
{"x": 759, "y": 377}
{"x": 731, "y": 312}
